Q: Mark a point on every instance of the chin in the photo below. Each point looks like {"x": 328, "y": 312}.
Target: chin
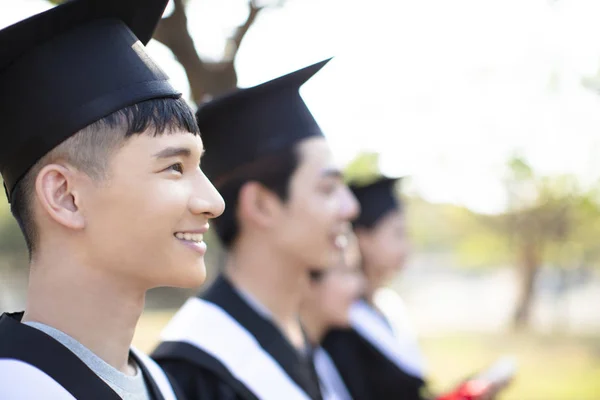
{"x": 191, "y": 277}
{"x": 341, "y": 324}
{"x": 195, "y": 280}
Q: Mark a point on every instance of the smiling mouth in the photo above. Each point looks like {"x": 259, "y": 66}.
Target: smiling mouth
{"x": 190, "y": 237}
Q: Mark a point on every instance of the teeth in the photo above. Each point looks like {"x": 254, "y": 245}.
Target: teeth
{"x": 192, "y": 237}
{"x": 341, "y": 241}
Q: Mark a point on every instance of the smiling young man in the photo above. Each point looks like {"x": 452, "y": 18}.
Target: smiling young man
{"x": 100, "y": 161}
{"x": 288, "y": 210}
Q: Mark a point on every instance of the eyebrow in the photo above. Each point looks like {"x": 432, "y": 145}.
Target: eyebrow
{"x": 174, "y": 152}
{"x": 332, "y": 173}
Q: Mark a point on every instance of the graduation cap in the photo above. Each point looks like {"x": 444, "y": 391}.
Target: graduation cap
{"x": 71, "y": 66}
{"x": 251, "y": 123}
{"x": 376, "y": 199}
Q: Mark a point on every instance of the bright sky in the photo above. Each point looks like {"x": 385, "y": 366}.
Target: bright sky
{"x": 445, "y": 90}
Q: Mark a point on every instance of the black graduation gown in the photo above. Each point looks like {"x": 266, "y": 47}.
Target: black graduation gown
{"x": 203, "y": 377}
{"x": 366, "y": 372}
{"x": 48, "y": 369}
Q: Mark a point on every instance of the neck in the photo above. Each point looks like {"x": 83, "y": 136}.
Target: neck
{"x": 371, "y": 285}
{"x": 276, "y": 282}
{"x": 97, "y": 309}
{"x": 314, "y": 328}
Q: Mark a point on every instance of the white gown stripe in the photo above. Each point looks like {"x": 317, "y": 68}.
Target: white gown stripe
{"x": 19, "y": 380}
{"x": 334, "y": 387}
{"x": 208, "y": 327}
{"x": 157, "y": 374}
{"x": 372, "y": 327}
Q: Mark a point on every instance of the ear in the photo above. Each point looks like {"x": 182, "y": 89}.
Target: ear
{"x": 258, "y": 205}
{"x": 56, "y": 192}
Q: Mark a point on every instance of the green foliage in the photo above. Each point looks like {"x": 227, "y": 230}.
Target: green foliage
{"x": 12, "y": 244}
{"x": 553, "y": 212}
{"x": 363, "y": 169}
{"x": 447, "y": 228}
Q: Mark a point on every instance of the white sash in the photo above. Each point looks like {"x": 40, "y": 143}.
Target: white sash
{"x": 19, "y": 380}
{"x": 402, "y": 351}
{"x": 332, "y": 382}
{"x": 208, "y": 327}
{"x": 157, "y": 375}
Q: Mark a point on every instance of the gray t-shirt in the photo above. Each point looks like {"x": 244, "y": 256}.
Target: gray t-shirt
{"x": 126, "y": 386}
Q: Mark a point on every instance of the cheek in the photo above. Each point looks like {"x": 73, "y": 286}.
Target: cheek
{"x": 138, "y": 210}
{"x": 308, "y": 217}
{"x": 378, "y": 254}
{"x": 397, "y": 251}
{"x": 319, "y": 207}
{"x": 340, "y": 297}
{"x": 137, "y": 222}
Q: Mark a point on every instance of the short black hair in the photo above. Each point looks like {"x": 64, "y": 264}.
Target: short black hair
{"x": 274, "y": 172}
{"x": 89, "y": 149}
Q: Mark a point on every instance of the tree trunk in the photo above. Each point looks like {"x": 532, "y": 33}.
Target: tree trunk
{"x": 206, "y": 79}
{"x": 529, "y": 264}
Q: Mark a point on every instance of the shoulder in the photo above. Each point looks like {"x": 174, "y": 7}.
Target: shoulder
{"x": 19, "y": 380}
{"x": 200, "y": 382}
{"x": 155, "y": 373}
{"x": 393, "y": 307}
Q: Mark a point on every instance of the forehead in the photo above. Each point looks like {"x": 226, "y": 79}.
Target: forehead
{"x": 316, "y": 156}
{"x": 149, "y": 144}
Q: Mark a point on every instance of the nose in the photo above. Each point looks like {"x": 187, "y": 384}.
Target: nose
{"x": 349, "y": 206}
{"x": 206, "y": 199}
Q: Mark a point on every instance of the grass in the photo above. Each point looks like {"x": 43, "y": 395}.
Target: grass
{"x": 550, "y": 367}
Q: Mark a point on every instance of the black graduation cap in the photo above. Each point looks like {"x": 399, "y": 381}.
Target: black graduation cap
{"x": 376, "y": 199}
{"x": 247, "y": 124}
{"x": 68, "y": 67}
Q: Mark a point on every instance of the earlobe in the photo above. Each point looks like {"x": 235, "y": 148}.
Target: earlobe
{"x": 54, "y": 187}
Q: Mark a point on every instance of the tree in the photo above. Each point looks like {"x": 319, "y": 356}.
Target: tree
{"x": 364, "y": 169}
{"x": 206, "y": 78}
{"x": 548, "y": 221}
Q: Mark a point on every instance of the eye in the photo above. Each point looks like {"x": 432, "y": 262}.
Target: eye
{"x": 328, "y": 188}
{"x": 177, "y": 167}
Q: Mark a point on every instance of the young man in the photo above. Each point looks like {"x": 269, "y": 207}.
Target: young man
{"x": 99, "y": 156}
{"x": 288, "y": 211}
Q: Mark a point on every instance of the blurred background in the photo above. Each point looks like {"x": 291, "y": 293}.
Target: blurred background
{"x": 491, "y": 108}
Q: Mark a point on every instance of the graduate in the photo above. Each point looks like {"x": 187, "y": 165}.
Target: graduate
{"x": 379, "y": 356}
{"x": 376, "y": 361}
{"x": 287, "y": 213}
{"x": 99, "y": 158}
{"x": 326, "y": 306}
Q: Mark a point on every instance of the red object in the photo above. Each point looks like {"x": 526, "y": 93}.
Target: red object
{"x": 469, "y": 390}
